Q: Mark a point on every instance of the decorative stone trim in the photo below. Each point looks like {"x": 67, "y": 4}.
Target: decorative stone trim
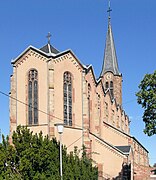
{"x": 109, "y": 148}
{"x": 117, "y": 131}
{"x": 27, "y": 55}
{"x": 100, "y": 170}
{"x": 51, "y": 131}
{"x": 13, "y": 120}
{"x": 37, "y": 125}
{"x": 69, "y": 57}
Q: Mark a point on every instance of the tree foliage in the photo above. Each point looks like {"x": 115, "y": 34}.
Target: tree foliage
{"x": 36, "y": 157}
{"x": 146, "y": 96}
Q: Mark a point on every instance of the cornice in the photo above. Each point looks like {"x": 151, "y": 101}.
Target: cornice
{"x": 26, "y": 55}
{"x": 68, "y": 55}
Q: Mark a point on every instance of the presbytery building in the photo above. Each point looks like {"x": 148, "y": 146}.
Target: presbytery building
{"x": 49, "y": 86}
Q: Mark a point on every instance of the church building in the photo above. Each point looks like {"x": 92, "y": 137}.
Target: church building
{"x": 49, "y": 86}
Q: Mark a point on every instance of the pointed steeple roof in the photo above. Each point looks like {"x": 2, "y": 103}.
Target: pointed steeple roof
{"x": 110, "y": 63}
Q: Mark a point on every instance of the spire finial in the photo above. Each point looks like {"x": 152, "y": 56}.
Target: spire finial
{"x": 109, "y": 9}
{"x": 48, "y": 37}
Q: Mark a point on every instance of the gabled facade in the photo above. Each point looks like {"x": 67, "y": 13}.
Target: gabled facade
{"x": 49, "y": 87}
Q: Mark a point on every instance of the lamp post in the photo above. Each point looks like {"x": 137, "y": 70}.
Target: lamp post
{"x": 60, "y": 128}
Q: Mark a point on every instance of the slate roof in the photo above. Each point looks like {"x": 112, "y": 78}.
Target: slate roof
{"x": 110, "y": 62}
{"x": 49, "y": 49}
{"x": 124, "y": 149}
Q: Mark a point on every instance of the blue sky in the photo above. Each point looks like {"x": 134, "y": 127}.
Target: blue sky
{"x": 81, "y": 25}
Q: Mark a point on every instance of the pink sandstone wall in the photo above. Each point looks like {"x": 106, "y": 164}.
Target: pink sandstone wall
{"x": 50, "y": 100}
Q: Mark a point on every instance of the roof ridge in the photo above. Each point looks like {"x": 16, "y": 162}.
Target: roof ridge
{"x": 49, "y": 49}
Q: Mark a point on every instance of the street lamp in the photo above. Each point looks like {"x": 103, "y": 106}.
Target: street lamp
{"x": 60, "y": 128}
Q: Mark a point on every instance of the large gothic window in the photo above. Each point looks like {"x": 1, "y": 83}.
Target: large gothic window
{"x": 89, "y": 105}
{"x": 32, "y": 97}
{"x": 67, "y": 95}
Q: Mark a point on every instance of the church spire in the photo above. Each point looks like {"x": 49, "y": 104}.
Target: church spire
{"x": 110, "y": 63}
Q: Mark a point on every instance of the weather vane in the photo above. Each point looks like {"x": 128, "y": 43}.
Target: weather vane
{"x": 109, "y": 8}
{"x": 48, "y": 37}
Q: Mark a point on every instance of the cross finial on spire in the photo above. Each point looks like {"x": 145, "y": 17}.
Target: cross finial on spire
{"x": 48, "y": 36}
{"x": 109, "y": 9}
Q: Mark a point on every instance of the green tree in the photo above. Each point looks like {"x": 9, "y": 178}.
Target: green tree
{"x": 36, "y": 157}
{"x": 80, "y": 168}
{"x": 146, "y": 96}
{"x": 7, "y": 157}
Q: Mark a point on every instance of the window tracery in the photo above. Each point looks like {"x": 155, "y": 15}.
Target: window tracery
{"x": 67, "y": 91}
{"x": 33, "y": 97}
{"x": 111, "y": 89}
{"x": 89, "y": 105}
{"x": 107, "y": 85}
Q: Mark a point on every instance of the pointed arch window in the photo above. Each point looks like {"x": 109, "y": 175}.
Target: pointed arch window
{"x": 99, "y": 106}
{"x": 67, "y": 95}
{"x": 111, "y": 89}
{"x": 89, "y": 105}
{"x": 33, "y": 97}
{"x": 107, "y": 85}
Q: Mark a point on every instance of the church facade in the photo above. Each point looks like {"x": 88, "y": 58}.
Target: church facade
{"x": 49, "y": 87}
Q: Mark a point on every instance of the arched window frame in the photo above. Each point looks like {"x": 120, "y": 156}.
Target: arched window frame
{"x": 32, "y": 97}
{"x": 67, "y": 98}
{"x": 106, "y": 111}
{"x": 99, "y": 106}
{"x": 111, "y": 85}
{"x": 107, "y": 85}
{"x": 112, "y": 88}
{"x": 89, "y": 104}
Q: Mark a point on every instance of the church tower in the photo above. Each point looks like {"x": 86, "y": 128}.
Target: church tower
{"x": 50, "y": 87}
{"x": 111, "y": 77}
